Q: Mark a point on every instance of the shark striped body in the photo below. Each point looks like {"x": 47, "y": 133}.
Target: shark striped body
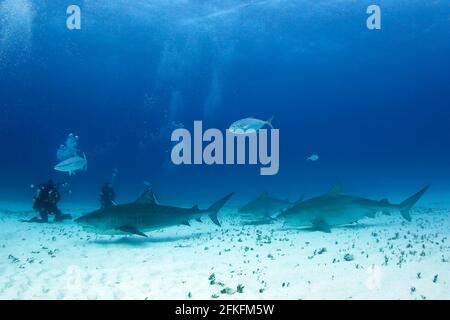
{"x": 335, "y": 209}
{"x": 144, "y": 215}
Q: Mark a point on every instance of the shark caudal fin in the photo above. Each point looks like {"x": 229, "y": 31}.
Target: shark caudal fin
{"x": 406, "y": 205}
{"x": 214, "y": 209}
{"x": 302, "y": 197}
{"x": 269, "y": 122}
{"x": 85, "y": 161}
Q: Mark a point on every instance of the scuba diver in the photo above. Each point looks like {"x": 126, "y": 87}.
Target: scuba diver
{"x": 107, "y": 196}
{"x": 45, "y": 202}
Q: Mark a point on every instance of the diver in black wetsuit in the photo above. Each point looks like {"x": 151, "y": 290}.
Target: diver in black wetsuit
{"x": 107, "y": 196}
{"x": 45, "y": 202}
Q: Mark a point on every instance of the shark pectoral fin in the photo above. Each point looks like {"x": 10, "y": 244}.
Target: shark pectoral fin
{"x": 321, "y": 225}
{"x": 371, "y": 214}
{"x": 199, "y": 220}
{"x": 186, "y": 223}
{"x": 132, "y": 230}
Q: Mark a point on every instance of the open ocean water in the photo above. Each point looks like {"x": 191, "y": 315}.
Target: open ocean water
{"x": 353, "y": 96}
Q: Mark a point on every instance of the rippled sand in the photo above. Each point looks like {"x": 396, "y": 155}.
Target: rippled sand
{"x": 382, "y": 258}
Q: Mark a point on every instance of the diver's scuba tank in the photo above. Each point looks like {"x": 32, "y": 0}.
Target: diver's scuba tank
{"x": 53, "y": 193}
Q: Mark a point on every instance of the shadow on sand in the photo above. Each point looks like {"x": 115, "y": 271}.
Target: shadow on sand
{"x": 140, "y": 241}
{"x": 258, "y": 222}
{"x": 356, "y": 226}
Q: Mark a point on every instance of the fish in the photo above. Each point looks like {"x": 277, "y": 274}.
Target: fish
{"x": 266, "y": 206}
{"x": 337, "y": 209}
{"x": 144, "y": 215}
{"x": 249, "y": 125}
{"x": 72, "y": 165}
{"x": 313, "y": 157}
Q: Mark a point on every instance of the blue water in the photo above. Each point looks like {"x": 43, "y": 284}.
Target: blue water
{"x": 375, "y": 105}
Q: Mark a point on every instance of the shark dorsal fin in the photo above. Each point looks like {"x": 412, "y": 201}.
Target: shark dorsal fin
{"x": 265, "y": 194}
{"x": 195, "y": 208}
{"x": 147, "y": 197}
{"x": 335, "y": 190}
{"x": 384, "y": 201}
{"x": 300, "y": 199}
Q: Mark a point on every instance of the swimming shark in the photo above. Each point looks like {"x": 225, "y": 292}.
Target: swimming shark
{"x": 249, "y": 125}
{"x": 266, "y": 206}
{"x": 335, "y": 209}
{"x": 145, "y": 214}
{"x": 72, "y": 164}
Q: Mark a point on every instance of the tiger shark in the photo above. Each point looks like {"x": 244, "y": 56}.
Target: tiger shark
{"x": 336, "y": 209}
{"x": 266, "y": 208}
{"x": 145, "y": 214}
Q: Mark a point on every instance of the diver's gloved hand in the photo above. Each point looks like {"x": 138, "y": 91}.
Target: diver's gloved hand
{"x": 63, "y": 217}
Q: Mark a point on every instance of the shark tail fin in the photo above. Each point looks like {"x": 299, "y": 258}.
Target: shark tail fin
{"x": 269, "y": 122}
{"x": 85, "y": 159}
{"x": 300, "y": 199}
{"x": 214, "y": 209}
{"x": 406, "y": 205}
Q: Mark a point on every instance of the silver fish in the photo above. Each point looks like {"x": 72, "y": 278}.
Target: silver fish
{"x": 249, "y": 125}
{"x": 72, "y": 165}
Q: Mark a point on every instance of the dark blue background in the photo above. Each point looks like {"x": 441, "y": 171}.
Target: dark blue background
{"x": 375, "y": 105}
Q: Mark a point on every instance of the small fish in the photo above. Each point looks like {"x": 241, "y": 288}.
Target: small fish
{"x": 249, "y": 125}
{"x": 313, "y": 157}
{"x": 72, "y": 165}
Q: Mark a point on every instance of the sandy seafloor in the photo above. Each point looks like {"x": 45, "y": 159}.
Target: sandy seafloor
{"x": 381, "y": 258}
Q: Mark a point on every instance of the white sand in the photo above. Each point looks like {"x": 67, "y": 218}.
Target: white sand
{"x": 61, "y": 261}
